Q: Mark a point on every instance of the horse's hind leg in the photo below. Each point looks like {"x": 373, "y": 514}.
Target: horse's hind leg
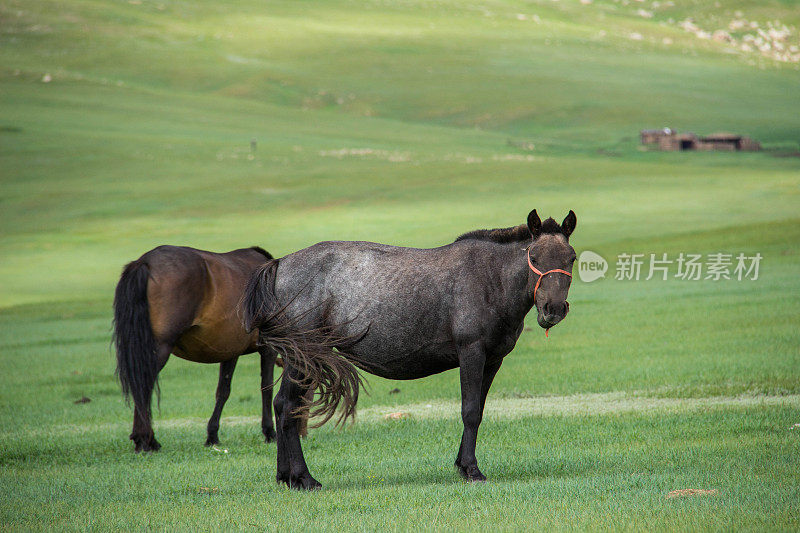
{"x": 267, "y": 381}
{"x": 226, "y": 369}
{"x": 282, "y": 475}
{"x": 142, "y": 434}
{"x": 292, "y": 468}
{"x": 308, "y": 397}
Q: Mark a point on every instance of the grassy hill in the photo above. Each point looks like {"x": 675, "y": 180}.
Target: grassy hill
{"x": 128, "y": 124}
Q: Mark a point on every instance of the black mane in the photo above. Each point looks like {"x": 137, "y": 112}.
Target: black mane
{"x": 502, "y": 235}
{"x": 513, "y": 234}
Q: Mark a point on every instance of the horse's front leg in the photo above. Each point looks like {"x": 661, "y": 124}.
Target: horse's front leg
{"x": 267, "y": 381}
{"x": 226, "y": 369}
{"x": 476, "y": 378}
{"x": 489, "y": 371}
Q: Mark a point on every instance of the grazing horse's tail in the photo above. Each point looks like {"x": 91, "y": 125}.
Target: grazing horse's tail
{"x": 137, "y": 361}
{"x": 312, "y": 352}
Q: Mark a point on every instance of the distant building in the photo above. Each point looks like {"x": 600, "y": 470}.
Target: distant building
{"x": 678, "y": 141}
{"x": 729, "y": 142}
{"x": 669, "y": 140}
{"x": 653, "y": 136}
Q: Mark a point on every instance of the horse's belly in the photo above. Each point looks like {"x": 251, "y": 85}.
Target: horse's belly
{"x": 199, "y": 346}
{"x": 410, "y": 371}
{"x": 397, "y": 362}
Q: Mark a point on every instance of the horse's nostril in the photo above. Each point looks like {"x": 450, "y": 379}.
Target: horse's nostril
{"x": 553, "y": 310}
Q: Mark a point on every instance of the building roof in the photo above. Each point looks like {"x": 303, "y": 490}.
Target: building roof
{"x": 722, "y": 136}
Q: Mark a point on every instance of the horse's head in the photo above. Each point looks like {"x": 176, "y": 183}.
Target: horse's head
{"x": 550, "y": 258}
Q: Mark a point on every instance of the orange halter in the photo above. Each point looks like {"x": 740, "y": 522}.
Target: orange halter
{"x": 541, "y": 276}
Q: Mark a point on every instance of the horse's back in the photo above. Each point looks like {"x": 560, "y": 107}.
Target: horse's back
{"x": 366, "y": 273}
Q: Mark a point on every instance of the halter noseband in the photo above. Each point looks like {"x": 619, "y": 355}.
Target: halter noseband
{"x": 541, "y": 277}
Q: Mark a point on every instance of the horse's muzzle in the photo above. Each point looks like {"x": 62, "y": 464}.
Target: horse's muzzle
{"x": 552, "y": 313}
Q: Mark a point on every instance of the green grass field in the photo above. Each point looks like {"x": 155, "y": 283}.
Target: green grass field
{"x": 128, "y": 124}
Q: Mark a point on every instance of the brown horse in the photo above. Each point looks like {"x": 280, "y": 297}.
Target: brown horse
{"x": 184, "y": 301}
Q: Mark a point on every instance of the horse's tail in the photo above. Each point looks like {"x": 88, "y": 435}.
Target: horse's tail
{"x": 312, "y": 352}
{"x": 137, "y": 361}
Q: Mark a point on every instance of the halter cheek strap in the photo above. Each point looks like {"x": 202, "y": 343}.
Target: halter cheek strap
{"x": 541, "y": 276}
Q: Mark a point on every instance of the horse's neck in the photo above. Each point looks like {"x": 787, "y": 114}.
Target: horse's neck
{"x": 517, "y": 297}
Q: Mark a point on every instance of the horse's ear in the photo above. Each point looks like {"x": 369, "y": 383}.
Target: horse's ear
{"x": 568, "y": 226}
{"x": 534, "y": 223}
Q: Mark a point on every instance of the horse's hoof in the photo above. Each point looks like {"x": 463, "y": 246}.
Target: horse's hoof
{"x": 146, "y": 445}
{"x": 305, "y": 482}
{"x": 212, "y": 440}
{"x": 471, "y": 474}
{"x": 269, "y": 435}
{"x": 282, "y": 478}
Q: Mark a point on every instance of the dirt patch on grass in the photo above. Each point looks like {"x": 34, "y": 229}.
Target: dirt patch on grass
{"x": 576, "y": 405}
{"x": 608, "y": 403}
{"x": 689, "y": 493}
{"x": 399, "y": 415}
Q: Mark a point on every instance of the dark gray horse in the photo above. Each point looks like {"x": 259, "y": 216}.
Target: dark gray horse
{"x": 404, "y": 313}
